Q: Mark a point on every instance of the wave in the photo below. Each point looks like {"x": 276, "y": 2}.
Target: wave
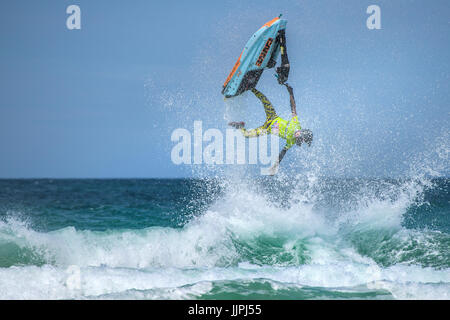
{"x": 243, "y": 226}
{"x": 332, "y": 239}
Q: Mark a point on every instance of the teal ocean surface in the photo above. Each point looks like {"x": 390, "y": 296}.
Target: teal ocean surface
{"x": 310, "y": 238}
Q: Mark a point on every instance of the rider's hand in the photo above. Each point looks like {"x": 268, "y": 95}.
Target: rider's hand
{"x": 273, "y": 170}
{"x": 237, "y": 125}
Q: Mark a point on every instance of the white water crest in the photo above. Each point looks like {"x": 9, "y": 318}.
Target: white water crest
{"x": 243, "y": 237}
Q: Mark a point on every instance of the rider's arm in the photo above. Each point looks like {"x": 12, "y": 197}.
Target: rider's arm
{"x": 282, "y": 153}
{"x": 266, "y": 103}
{"x": 292, "y": 100}
{"x": 253, "y": 132}
{"x": 274, "y": 168}
{"x": 262, "y": 130}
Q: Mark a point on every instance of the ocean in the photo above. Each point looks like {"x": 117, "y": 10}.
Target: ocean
{"x": 248, "y": 238}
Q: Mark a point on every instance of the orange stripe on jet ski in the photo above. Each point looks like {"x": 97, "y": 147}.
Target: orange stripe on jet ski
{"x": 238, "y": 62}
{"x": 271, "y": 22}
{"x": 236, "y": 65}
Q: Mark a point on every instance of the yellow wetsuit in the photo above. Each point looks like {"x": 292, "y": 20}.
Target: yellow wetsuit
{"x": 274, "y": 124}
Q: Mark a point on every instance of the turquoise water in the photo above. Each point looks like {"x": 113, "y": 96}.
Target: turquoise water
{"x": 314, "y": 238}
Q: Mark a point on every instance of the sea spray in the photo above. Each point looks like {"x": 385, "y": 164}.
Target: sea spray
{"x": 304, "y": 237}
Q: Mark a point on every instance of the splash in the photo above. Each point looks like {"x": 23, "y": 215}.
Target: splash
{"x": 345, "y": 238}
{"x": 302, "y": 236}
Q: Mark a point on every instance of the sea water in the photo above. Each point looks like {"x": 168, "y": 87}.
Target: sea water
{"x": 256, "y": 238}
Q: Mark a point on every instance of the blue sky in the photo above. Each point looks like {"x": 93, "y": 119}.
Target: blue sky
{"x": 102, "y": 101}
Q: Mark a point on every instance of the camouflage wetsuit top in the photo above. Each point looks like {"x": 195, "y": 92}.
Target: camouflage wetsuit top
{"x": 274, "y": 124}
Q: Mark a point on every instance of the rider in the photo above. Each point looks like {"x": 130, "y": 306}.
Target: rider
{"x": 290, "y": 130}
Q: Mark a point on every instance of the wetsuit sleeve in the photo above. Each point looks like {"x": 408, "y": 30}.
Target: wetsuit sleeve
{"x": 282, "y": 153}
{"x": 268, "y": 108}
{"x": 292, "y": 100}
{"x": 288, "y": 146}
{"x": 254, "y": 132}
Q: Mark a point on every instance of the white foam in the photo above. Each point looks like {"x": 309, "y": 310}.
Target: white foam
{"x": 183, "y": 263}
{"x": 48, "y": 282}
